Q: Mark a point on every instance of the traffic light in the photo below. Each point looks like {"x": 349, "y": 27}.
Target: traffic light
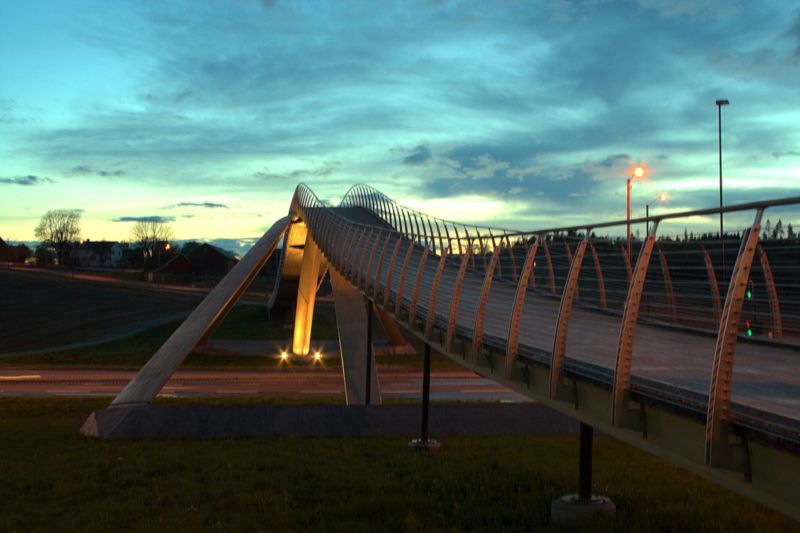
{"x": 748, "y": 293}
{"x": 749, "y": 329}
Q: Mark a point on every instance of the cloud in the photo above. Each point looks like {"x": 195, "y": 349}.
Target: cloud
{"x": 420, "y": 155}
{"x": 8, "y": 112}
{"x": 86, "y": 170}
{"x": 152, "y": 218}
{"x": 778, "y": 155}
{"x": 25, "y": 180}
{"x": 170, "y": 98}
{"x": 296, "y": 174}
{"x": 207, "y": 205}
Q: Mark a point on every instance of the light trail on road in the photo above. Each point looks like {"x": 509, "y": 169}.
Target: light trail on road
{"x": 447, "y": 386}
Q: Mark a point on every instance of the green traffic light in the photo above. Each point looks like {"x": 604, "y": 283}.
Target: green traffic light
{"x": 749, "y": 294}
{"x": 749, "y": 332}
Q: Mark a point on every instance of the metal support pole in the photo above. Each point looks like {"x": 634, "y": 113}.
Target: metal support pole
{"x": 424, "y": 443}
{"x": 577, "y": 509}
{"x": 426, "y": 391}
{"x": 628, "y": 215}
{"x": 369, "y": 353}
{"x": 584, "y": 462}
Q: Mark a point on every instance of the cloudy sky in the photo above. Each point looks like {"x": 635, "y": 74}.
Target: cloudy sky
{"x": 516, "y": 114}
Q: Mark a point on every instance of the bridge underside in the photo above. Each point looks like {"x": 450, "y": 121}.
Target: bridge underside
{"x": 465, "y": 315}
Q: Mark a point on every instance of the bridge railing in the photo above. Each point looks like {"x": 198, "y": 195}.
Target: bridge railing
{"x": 685, "y": 286}
{"x": 409, "y": 263}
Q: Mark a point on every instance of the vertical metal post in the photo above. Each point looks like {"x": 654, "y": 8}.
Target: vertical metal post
{"x": 720, "y": 103}
{"x": 424, "y": 443}
{"x": 628, "y": 216}
{"x": 426, "y": 391}
{"x": 369, "y": 353}
{"x": 585, "y": 462}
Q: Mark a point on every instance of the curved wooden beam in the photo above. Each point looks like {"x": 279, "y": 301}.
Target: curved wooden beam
{"x": 437, "y": 280}
{"x": 516, "y": 312}
{"x": 480, "y": 315}
{"x": 620, "y": 413}
{"x": 772, "y": 294}
{"x": 719, "y": 395}
{"x": 451, "y": 323}
{"x": 568, "y": 296}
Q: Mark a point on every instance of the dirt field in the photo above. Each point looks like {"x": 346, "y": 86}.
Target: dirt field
{"x": 39, "y": 311}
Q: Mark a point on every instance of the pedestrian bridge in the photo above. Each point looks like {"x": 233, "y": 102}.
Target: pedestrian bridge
{"x": 687, "y": 348}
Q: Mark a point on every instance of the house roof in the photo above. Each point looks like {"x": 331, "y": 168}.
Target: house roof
{"x": 178, "y": 263}
{"x": 220, "y": 251}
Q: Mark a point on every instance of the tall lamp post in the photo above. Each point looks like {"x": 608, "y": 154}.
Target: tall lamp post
{"x": 638, "y": 172}
{"x": 166, "y": 247}
{"x": 662, "y": 197}
{"x": 721, "y": 103}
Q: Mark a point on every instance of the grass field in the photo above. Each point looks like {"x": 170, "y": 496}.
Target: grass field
{"x": 54, "y": 479}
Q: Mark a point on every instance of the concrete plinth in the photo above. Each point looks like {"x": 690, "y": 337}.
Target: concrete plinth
{"x": 419, "y": 445}
{"x": 571, "y": 510}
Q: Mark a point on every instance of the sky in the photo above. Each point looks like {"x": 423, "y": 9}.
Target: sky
{"x": 505, "y": 113}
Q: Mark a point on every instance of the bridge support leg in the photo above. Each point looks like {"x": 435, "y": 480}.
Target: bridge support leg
{"x": 574, "y": 509}
{"x": 424, "y": 443}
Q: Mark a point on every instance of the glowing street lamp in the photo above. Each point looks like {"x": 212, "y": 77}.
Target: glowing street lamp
{"x": 638, "y": 172}
{"x": 662, "y": 197}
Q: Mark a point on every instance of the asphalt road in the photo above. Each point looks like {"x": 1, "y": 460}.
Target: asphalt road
{"x": 457, "y": 385}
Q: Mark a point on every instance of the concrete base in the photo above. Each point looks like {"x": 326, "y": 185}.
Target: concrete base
{"x": 419, "y": 445}
{"x": 570, "y": 510}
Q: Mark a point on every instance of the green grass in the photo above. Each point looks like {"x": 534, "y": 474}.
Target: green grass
{"x": 54, "y": 479}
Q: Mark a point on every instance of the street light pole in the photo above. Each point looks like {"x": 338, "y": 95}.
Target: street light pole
{"x": 662, "y": 197}
{"x": 638, "y": 172}
{"x": 721, "y": 103}
{"x": 628, "y": 214}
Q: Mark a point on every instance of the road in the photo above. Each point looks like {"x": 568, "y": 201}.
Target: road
{"x": 448, "y": 386}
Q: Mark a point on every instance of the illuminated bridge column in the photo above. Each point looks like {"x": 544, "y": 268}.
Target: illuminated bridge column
{"x": 306, "y": 295}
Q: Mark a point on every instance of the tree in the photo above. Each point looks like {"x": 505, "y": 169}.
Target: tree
{"x": 58, "y": 229}
{"x": 150, "y": 234}
{"x": 778, "y": 232}
{"x": 790, "y": 231}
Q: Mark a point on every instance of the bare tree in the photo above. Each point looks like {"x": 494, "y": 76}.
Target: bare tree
{"x": 58, "y": 229}
{"x": 150, "y": 234}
